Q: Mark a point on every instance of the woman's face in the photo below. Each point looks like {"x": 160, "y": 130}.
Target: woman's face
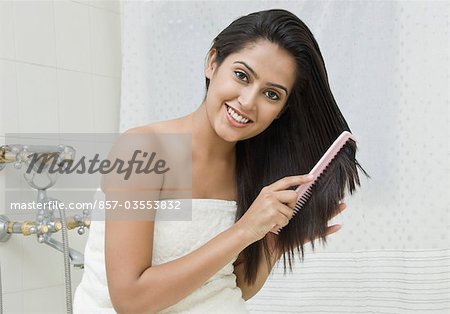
{"x": 248, "y": 90}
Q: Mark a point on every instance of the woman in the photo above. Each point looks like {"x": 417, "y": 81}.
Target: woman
{"x": 267, "y": 116}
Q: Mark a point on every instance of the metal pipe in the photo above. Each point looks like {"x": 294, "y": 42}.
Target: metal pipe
{"x": 41, "y": 158}
{"x": 6, "y": 155}
{"x": 76, "y": 258}
{"x": 32, "y": 227}
{"x": 67, "y": 276}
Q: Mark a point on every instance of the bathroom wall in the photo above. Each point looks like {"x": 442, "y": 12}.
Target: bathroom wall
{"x": 60, "y": 65}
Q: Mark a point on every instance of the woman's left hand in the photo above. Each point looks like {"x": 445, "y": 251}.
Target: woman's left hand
{"x": 272, "y": 237}
{"x": 332, "y": 229}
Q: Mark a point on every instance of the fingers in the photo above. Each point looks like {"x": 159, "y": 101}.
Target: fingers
{"x": 287, "y": 200}
{"x": 275, "y": 229}
{"x": 285, "y": 214}
{"x": 287, "y": 182}
{"x": 340, "y": 209}
{"x": 288, "y": 197}
{"x": 284, "y": 205}
{"x": 332, "y": 229}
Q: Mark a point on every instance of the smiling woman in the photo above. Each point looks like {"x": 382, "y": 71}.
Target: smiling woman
{"x": 250, "y": 87}
{"x": 267, "y": 117}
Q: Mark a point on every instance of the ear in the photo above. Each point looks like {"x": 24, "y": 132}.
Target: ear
{"x": 211, "y": 63}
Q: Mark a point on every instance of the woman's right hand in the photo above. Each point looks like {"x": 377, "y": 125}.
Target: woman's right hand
{"x": 272, "y": 209}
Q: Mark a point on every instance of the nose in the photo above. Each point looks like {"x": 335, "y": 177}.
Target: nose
{"x": 247, "y": 99}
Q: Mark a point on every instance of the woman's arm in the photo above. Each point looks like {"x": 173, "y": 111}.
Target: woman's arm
{"x": 138, "y": 287}
{"x": 248, "y": 291}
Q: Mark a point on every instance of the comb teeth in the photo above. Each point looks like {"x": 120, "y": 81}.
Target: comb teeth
{"x": 302, "y": 200}
{"x": 304, "y": 191}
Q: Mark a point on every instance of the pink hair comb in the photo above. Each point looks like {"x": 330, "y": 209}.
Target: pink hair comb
{"x": 304, "y": 191}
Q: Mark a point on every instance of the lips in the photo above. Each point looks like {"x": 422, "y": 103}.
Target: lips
{"x": 239, "y": 113}
{"x": 232, "y": 121}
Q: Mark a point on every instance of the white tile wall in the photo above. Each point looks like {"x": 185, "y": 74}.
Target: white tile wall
{"x": 38, "y": 98}
{"x": 6, "y": 30}
{"x": 12, "y": 258}
{"x": 72, "y": 36}
{"x": 9, "y": 108}
{"x": 60, "y": 66}
{"x": 48, "y": 300}
{"x": 76, "y": 100}
{"x": 105, "y": 61}
{"x": 13, "y": 303}
{"x": 113, "y": 6}
{"x": 34, "y": 32}
{"x": 106, "y": 96}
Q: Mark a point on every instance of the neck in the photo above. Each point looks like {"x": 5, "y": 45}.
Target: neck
{"x": 206, "y": 143}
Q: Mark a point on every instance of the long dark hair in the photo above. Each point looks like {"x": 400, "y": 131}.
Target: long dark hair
{"x": 293, "y": 143}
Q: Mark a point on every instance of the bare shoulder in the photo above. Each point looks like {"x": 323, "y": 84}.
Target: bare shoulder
{"x": 147, "y": 145}
{"x": 178, "y": 125}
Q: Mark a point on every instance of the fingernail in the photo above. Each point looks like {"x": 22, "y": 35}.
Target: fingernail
{"x": 310, "y": 177}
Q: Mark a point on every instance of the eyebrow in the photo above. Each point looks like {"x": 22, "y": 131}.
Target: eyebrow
{"x": 256, "y": 75}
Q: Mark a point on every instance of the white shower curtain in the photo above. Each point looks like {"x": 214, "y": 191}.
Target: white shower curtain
{"x": 388, "y": 68}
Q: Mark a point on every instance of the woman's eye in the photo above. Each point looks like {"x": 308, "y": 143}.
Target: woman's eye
{"x": 241, "y": 75}
{"x": 272, "y": 95}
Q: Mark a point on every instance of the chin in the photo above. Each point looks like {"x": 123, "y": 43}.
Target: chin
{"x": 227, "y": 136}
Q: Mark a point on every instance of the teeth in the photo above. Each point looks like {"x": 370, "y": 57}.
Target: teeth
{"x": 237, "y": 117}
